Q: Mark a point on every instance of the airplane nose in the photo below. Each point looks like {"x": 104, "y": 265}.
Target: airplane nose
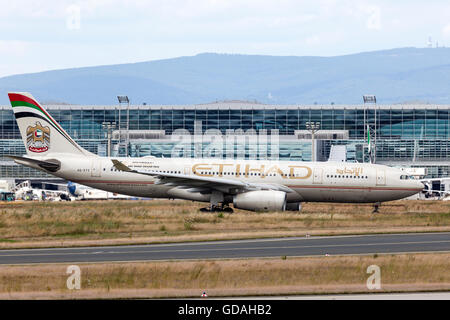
{"x": 420, "y": 185}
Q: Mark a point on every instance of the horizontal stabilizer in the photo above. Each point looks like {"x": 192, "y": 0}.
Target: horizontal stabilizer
{"x": 120, "y": 166}
{"x": 51, "y": 165}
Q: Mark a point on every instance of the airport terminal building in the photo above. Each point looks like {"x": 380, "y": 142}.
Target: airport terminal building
{"x": 416, "y": 136}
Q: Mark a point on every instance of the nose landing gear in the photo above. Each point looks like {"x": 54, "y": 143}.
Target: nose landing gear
{"x": 376, "y": 206}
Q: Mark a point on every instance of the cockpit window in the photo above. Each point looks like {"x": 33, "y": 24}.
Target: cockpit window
{"x": 406, "y": 177}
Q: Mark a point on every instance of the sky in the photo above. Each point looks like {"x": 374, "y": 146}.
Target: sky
{"x": 39, "y": 35}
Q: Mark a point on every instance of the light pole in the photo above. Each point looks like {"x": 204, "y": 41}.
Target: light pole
{"x": 370, "y": 98}
{"x": 124, "y": 99}
{"x": 313, "y": 127}
{"x": 108, "y": 126}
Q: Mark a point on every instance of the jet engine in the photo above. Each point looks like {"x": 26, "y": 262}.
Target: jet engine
{"x": 294, "y": 206}
{"x": 264, "y": 200}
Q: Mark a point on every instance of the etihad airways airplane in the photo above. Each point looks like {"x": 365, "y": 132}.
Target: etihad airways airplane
{"x": 255, "y": 185}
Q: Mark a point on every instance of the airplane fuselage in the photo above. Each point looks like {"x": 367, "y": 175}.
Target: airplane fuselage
{"x": 311, "y": 181}
{"x": 255, "y": 185}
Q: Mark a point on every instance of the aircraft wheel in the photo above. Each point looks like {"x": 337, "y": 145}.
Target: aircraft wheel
{"x": 376, "y": 207}
{"x": 228, "y": 210}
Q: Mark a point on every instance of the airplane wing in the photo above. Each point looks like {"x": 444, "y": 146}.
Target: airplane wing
{"x": 198, "y": 184}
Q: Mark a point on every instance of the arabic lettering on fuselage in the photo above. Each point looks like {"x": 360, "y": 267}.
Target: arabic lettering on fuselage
{"x": 354, "y": 171}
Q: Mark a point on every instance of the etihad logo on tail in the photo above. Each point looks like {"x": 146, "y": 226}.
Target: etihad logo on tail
{"x": 38, "y": 138}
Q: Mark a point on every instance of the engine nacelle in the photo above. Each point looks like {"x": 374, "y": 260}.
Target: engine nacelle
{"x": 294, "y": 206}
{"x": 264, "y": 200}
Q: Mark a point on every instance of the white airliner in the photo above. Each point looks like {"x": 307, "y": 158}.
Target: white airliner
{"x": 255, "y": 185}
{"x": 82, "y": 192}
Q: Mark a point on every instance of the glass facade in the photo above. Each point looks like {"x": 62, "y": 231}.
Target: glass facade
{"x": 410, "y": 135}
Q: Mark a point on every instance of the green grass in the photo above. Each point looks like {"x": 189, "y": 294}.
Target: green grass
{"x": 334, "y": 274}
{"x": 8, "y": 240}
{"x": 35, "y": 223}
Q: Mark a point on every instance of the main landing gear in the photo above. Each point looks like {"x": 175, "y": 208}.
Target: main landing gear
{"x": 223, "y": 208}
{"x": 217, "y": 204}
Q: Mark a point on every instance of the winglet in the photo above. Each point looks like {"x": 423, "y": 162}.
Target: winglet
{"x": 120, "y": 166}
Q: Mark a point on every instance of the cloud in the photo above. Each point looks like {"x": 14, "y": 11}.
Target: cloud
{"x": 73, "y": 20}
{"x": 16, "y": 57}
{"x": 446, "y": 31}
{"x": 14, "y": 48}
{"x": 374, "y": 20}
{"x": 119, "y": 31}
{"x": 312, "y": 40}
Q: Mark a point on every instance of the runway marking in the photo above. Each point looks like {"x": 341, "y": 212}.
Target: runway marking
{"x": 213, "y": 242}
{"x": 221, "y": 258}
{"x": 228, "y": 249}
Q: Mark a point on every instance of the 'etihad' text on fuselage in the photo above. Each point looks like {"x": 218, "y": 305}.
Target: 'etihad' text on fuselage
{"x": 208, "y": 170}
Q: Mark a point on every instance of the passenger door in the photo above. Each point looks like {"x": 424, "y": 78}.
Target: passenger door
{"x": 381, "y": 177}
{"x": 96, "y": 167}
{"x": 317, "y": 175}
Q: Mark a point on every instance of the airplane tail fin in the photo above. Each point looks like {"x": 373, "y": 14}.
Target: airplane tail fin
{"x": 41, "y": 134}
